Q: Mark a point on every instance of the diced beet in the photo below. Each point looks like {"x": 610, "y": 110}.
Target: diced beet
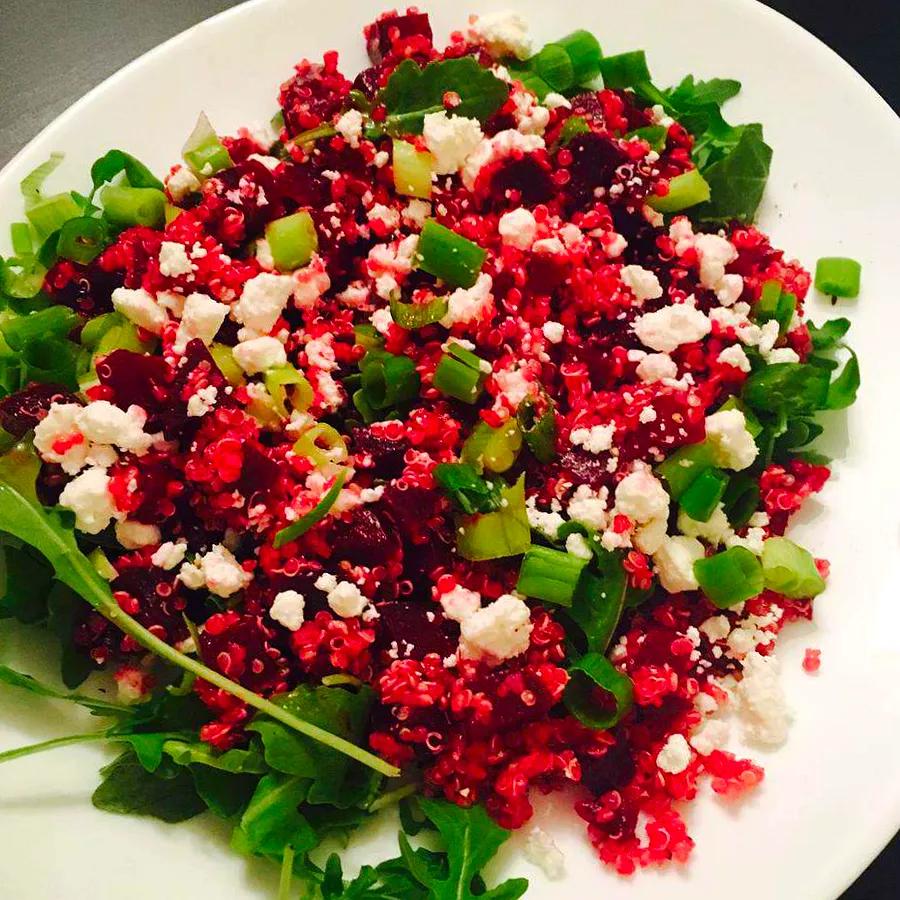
{"x": 363, "y": 538}
{"x": 161, "y": 599}
{"x": 609, "y": 772}
{"x": 527, "y": 176}
{"x": 21, "y": 411}
{"x": 408, "y": 625}
{"x": 258, "y": 474}
{"x": 134, "y": 378}
{"x": 50, "y": 482}
{"x": 312, "y": 96}
{"x": 386, "y": 454}
{"x": 85, "y": 289}
{"x": 594, "y": 161}
{"x": 676, "y": 423}
{"x": 586, "y": 468}
{"x": 410, "y": 509}
{"x": 368, "y": 81}
{"x": 386, "y": 33}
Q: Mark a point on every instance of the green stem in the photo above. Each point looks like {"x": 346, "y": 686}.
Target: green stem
{"x": 287, "y": 874}
{"x": 52, "y": 745}
{"x": 391, "y": 797}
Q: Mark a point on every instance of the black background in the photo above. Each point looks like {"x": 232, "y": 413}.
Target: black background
{"x": 53, "y": 51}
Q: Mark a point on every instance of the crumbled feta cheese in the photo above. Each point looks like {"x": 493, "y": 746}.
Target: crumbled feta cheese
{"x": 450, "y": 139}
{"x": 58, "y": 438}
{"x": 715, "y": 253}
{"x": 169, "y": 555}
{"x": 262, "y": 301}
{"x": 648, "y": 538}
{"x": 460, "y": 603}
{"x": 752, "y": 541}
{"x": 287, "y": 609}
{"x": 733, "y": 445}
{"x": 173, "y": 260}
{"x": 715, "y": 530}
{"x": 382, "y": 319}
{"x": 518, "y": 228}
{"x": 387, "y": 215}
{"x": 514, "y": 386}
{"x": 547, "y": 523}
{"x": 320, "y": 353}
{"x": 782, "y": 355}
{"x": 498, "y": 631}
{"x": 503, "y": 144}
{"x": 416, "y": 212}
{"x": 552, "y": 245}
{"x": 729, "y": 289}
{"x": 541, "y": 850}
{"x": 468, "y": 304}
{"x": 503, "y": 33}
{"x": 577, "y": 545}
{"x": 181, "y": 183}
{"x": 656, "y": 367}
{"x": 203, "y": 401}
{"x": 595, "y": 439}
{"x": 588, "y": 508}
{"x": 647, "y": 415}
{"x": 263, "y": 254}
{"x": 711, "y": 735}
{"x": 139, "y": 307}
{"x": 642, "y": 283}
{"x": 716, "y": 628}
{"x": 350, "y": 126}
{"x": 761, "y": 701}
{"x": 555, "y": 101}
{"x": 104, "y": 423}
{"x": 344, "y": 597}
{"x": 218, "y": 570}
{"x": 674, "y": 562}
{"x": 553, "y": 331}
{"x": 202, "y": 318}
{"x": 641, "y": 496}
{"x": 672, "y": 326}
{"x": 259, "y": 354}
{"x": 734, "y": 356}
{"x": 89, "y": 497}
{"x": 388, "y": 262}
{"x": 768, "y": 334}
{"x": 310, "y": 282}
{"x": 529, "y": 115}
{"x": 675, "y": 755}
{"x": 132, "y": 535}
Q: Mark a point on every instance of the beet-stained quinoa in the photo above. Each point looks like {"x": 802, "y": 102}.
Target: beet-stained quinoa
{"x": 631, "y": 328}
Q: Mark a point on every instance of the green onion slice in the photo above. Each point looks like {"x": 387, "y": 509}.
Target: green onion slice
{"x": 127, "y": 206}
{"x": 550, "y": 575}
{"x": 461, "y": 374}
{"x": 538, "y": 430}
{"x": 494, "y": 449}
{"x": 50, "y": 214}
{"x": 278, "y": 378}
{"x": 741, "y": 498}
{"x": 323, "y": 444}
{"x": 789, "y": 569}
{"x": 203, "y": 151}
{"x": 702, "y": 497}
{"x": 413, "y": 170}
{"x": 598, "y": 694}
{"x": 685, "y": 465}
{"x": 292, "y": 240}
{"x": 82, "y": 239}
{"x": 417, "y": 315}
{"x": 838, "y": 276}
{"x": 730, "y": 577}
{"x": 314, "y": 516}
{"x": 685, "y": 190}
{"x": 448, "y": 255}
{"x": 497, "y": 534}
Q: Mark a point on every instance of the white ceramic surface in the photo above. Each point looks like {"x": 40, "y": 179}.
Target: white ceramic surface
{"x": 831, "y": 797}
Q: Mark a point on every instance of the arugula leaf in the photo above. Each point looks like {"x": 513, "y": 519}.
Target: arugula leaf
{"x": 128, "y": 788}
{"x": 64, "y": 607}
{"x": 597, "y": 604}
{"x": 690, "y": 94}
{"x": 738, "y": 179}
{"x": 469, "y": 492}
{"x": 411, "y": 93}
{"x": 842, "y": 391}
{"x": 225, "y": 794}
{"x": 829, "y": 334}
{"x": 471, "y": 838}
{"x": 27, "y": 683}
{"x": 272, "y": 819}
{"x": 24, "y": 584}
{"x": 115, "y": 161}
{"x": 801, "y": 388}
{"x": 235, "y": 761}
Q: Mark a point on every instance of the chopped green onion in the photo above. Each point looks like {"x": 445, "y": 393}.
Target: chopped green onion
{"x": 388, "y": 381}
{"x": 203, "y": 151}
{"x": 730, "y": 577}
{"x": 702, "y": 497}
{"x": 20, "y": 236}
{"x": 598, "y": 602}
{"x": 102, "y": 565}
{"x": 112, "y": 331}
{"x": 292, "y": 240}
{"x": 21, "y": 278}
{"x": 572, "y": 127}
{"x": 624, "y": 70}
{"x": 539, "y": 431}
{"x": 313, "y": 517}
{"x": 789, "y": 569}
{"x": 461, "y": 374}
{"x": 591, "y": 675}
{"x": 494, "y": 449}
{"x": 223, "y": 357}
{"x": 54, "y": 321}
{"x": 584, "y": 53}
{"x": 685, "y": 465}
{"x": 838, "y": 276}
{"x": 776, "y": 304}
{"x": 32, "y": 183}
{"x": 448, "y": 255}
{"x": 127, "y": 206}
{"x": 468, "y": 491}
{"x": 115, "y": 161}
{"x": 741, "y": 498}
{"x": 322, "y": 444}
{"x": 497, "y": 534}
{"x": 97, "y": 327}
{"x": 417, "y": 315}
{"x": 413, "y": 170}
{"x": 366, "y": 336}
{"x": 655, "y": 136}
{"x": 51, "y": 214}
{"x": 550, "y": 575}
{"x": 278, "y": 378}
{"x": 685, "y": 190}
{"x": 82, "y": 239}
{"x": 554, "y": 66}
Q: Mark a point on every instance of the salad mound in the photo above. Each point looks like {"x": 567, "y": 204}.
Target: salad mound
{"x": 438, "y": 442}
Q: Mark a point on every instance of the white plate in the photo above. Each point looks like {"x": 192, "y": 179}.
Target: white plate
{"x": 831, "y": 798}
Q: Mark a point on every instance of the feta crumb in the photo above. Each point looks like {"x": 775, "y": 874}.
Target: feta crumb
{"x": 58, "y": 439}
{"x": 674, "y": 562}
{"x": 88, "y": 496}
{"x": 547, "y": 523}
{"x": 753, "y": 540}
{"x": 729, "y": 289}
{"x": 716, "y": 628}
{"x": 734, "y": 356}
{"x": 782, "y": 355}
{"x": 460, "y": 603}
{"x": 503, "y": 144}
{"x": 262, "y": 301}
{"x": 139, "y": 307}
{"x": 169, "y": 555}
{"x": 467, "y": 304}
{"x": 416, "y": 212}
{"x": 732, "y": 444}
{"x": 104, "y": 423}
{"x": 181, "y": 183}
{"x": 595, "y": 439}
{"x": 672, "y": 326}
{"x": 577, "y": 545}
{"x": 350, "y": 127}
{"x": 201, "y": 318}
{"x": 656, "y": 367}
{"x": 259, "y": 354}
{"x": 518, "y": 228}
{"x": 387, "y": 215}
{"x": 132, "y": 535}
{"x": 287, "y": 609}
{"x": 641, "y": 496}
{"x": 450, "y": 139}
{"x": 553, "y": 331}
{"x": 675, "y": 755}
{"x": 499, "y": 631}
{"x": 203, "y": 401}
{"x": 715, "y": 253}
{"x": 555, "y": 101}
{"x": 715, "y": 530}
{"x": 711, "y": 735}
{"x": 541, "y": 850}
{"x": 382, "y": 319}
{"x": 173, "y": 260}
{"x": 642, "y": 283}
{"x": 648, "y": 538}
{"x": 344, "y": 597}
{"x": 503, "y": 33}
{"x": 761, "y": 701}
{"x": 222, "y": 573}
{"x": 588, "y": 508}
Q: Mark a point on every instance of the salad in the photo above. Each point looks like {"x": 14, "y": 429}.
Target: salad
{"x": 429, "y": 448}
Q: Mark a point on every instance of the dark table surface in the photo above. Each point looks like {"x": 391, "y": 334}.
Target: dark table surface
{"x": 52, "y": 52}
